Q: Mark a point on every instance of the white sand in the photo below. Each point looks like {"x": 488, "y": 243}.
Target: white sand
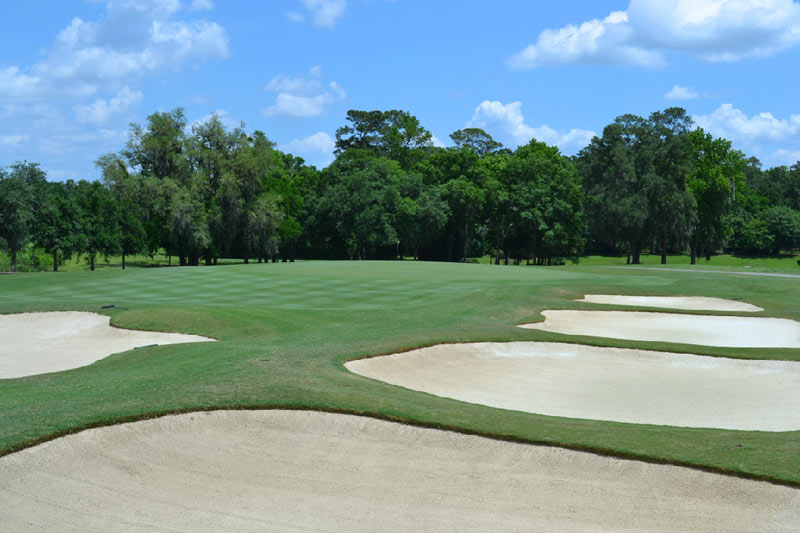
{"x": 731, "y": 331}
{"x": 590, "y": 382}
{"x": 690, "y": 303}
{"x": 285, "y": 470}
{"x": 35, "y": 343}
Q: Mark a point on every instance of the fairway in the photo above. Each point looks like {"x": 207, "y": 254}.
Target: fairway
{"x": 286, "y": 330}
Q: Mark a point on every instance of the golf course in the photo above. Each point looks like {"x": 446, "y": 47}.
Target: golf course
{"x": 284, "y": 333}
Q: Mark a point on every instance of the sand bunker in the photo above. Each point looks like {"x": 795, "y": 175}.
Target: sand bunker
{"x": 615, "y": 384}
{"x": 690, "y": 303}
{"x": 35, "y": 343}
{"x": 731, "y": 331}
{"x": 290, "y": 470}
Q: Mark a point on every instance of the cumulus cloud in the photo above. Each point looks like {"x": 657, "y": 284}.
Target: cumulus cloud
{"x": 303, "y": 96}
{"x": 711, "y": 30}
{"x": 437, "y": 142}
{"x": 133, "y": 40}
{"x": 324, "y": 13}
{"x": 79, "y": 96}
{"x": 507, "y": 124}
{"x": 101, "y": 111}
{"x": 224, "y": 117}
{"x": 735, "y": 125}
{"x": 773, "y": 140}
{"x": 316, "y": 149}
{"x": 679, "y": 92}
{"x": 785, "y": 157}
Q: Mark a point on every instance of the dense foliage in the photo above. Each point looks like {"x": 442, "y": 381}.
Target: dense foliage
{"x": 205, "y": 191}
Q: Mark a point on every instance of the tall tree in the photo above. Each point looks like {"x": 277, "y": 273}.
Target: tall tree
{"x": 716, "y": 169}
{"x": 58, "y": 226}
{"x": 20, "y": 193}
{"x": 475, "y": 139}
{"x": 99, "y": 220}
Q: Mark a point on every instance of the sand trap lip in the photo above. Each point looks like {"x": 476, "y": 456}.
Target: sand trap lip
{"x": 730, "y": 331}
{"x": 612, "y": 384}
{"x": 689, "y": 303}
{"x": 283, "y": 470}
{"x": 36, "y": 343}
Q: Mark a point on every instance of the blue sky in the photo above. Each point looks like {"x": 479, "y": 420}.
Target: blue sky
{"x": 74, "y": 74}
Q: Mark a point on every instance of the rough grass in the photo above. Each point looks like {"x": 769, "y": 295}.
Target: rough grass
{"x": 285, "y": 331}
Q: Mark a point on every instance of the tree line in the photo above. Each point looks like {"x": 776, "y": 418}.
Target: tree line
{"x": 206, "y": 191}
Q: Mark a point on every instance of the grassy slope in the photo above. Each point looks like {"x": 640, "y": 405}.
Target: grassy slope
{"x": 286, "y": 329}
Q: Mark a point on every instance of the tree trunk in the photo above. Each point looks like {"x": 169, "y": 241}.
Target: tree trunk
{"x": 664, "y": 247}
{"x": 13, "y": 260}
{"x": 91, "y": 262}
{"x": 123, "y": 261}
{"x": 246, "y": 260}
{"x": 466, "y": 235}
{"x": 449, "y": 251}
{"x": 55, "y": 260}
{"x": 693, "y": 250}
{"x": 637, "y": 252}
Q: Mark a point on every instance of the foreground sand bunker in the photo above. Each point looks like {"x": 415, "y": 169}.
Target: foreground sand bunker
{"x": 35, "y": 343}
{"x": 284, "y": 470}
{"x": 730, "y": 331}
{"x": 689, "y": 303}
{"x": 591, "y": 382}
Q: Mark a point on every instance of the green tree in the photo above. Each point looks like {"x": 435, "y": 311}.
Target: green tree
{"x": 99, "y": 220}
{"x": 716, "y": 169}
{"x": 20, "y": 192}
{"x": 784, "y": 225}
{"x": 58, "y": 226}
{"x": 475, "y": 139}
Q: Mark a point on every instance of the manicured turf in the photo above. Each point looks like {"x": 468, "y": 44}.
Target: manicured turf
{"x": 286, "y": 329}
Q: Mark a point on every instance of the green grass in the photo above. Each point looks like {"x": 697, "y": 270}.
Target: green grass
{"x": 786, "y": 262}
{"x": 286, "y": 329}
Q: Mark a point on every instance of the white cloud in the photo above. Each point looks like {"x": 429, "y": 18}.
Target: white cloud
{"x": 13, "y": 140}
{"x": 317, "y": 149}
{"x": 101, "y": 111}
{"x": 202, "y": 5}
{"x": 133, "y": 40}
{"x": 507, "y": 124}
{"x": 437, "y": 142}
{"x": 711, "y": 30}
{"x": 733, "y": 124}
{"x": 294, "y": 16}
{"x": 324, "y": 13}
{"x": 75, "y": 101}
{"x": 679, "y": 92}
{"x": 785, "y": 157}
{"x": 604, "y": 41}
{"x": 224, "y": 117}
{"x": 303, "y": 96}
